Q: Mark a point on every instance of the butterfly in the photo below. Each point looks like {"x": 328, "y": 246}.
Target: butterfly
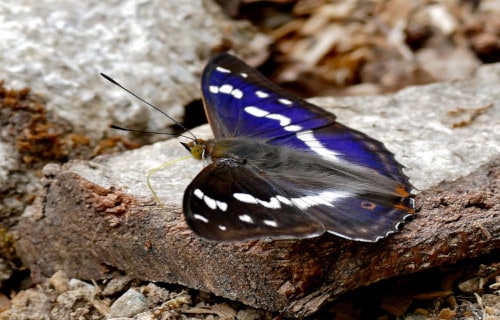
{"x": 283, "y": 168}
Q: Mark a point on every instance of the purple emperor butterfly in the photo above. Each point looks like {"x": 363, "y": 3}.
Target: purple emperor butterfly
{"x": 281, "y": 167}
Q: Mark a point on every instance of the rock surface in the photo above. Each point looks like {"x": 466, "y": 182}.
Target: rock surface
{"x": 156, "y": 48}
{"x": 94, "y": 218}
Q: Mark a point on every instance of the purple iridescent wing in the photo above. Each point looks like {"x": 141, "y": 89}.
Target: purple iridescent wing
{"x": 284, "y": 168}
{"x": 241, "y": 102}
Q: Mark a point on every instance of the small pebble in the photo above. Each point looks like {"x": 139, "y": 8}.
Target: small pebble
{"x": 472, "y": 285}
{"x": 51, "y": 169}
{"x": 116, "y": 285}
{"x": 4, "y": 302}
{"x": 59, "y": 281}
{"x": 250, "y": 314}
{"x": 128, "y": 305}
{"x": 79, "y": 284}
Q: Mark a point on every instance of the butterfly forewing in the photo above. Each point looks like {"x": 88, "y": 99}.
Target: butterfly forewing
{"x": 241, "y": 102}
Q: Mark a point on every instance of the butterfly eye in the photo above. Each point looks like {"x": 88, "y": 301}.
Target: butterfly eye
{"x": 198, "y": 152}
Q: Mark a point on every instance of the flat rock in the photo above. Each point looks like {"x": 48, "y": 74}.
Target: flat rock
{"x": 94, "y": 218}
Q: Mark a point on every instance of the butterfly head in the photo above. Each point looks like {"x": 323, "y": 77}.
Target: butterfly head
{"x": 197, "y": 148}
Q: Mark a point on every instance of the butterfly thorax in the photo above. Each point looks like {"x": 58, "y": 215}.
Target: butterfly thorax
{"x": 228, "y": 149}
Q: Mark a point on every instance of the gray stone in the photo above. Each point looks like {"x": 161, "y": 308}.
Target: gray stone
{"x": 116, "y": 284}
{"x": 128, "y": 305}
{"x": 156, "y": 48}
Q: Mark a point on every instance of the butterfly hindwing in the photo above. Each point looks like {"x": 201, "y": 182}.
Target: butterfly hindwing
{"x": 212, "y": 208}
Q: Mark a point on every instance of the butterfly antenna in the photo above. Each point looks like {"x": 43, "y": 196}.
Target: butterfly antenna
{"x": 180, "y": 125}
{"x": 112, "y": 126}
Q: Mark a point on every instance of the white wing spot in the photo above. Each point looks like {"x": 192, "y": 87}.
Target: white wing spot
{"x": 261, "y": 94}
{"x": 213, "y": 89}
{"x": 237, "y": 93}
{"x": 284, "y": 120}
{"x": 245, "y": 197}
{"x": 222, "y": 228}
{"x": 245, "y": 218}
{"x": 285, "y": 101}
{"x": 306, "y": 136}
{"x": 198, "y": 193}
{"x": 284, "y": 200}
{"x": 257, "y": 112}
{"x": 211, "y": 203}
{"x": 226, "y": 88}
{"x": 243, "y": 75}
{"x": 293, "y": 128}
{"x": 273, "y": 203}
{"x": 270, "y": 223}
{"x": 326, "y": 198}
{"x": 299, "y": 203}
{"x": 200, "y": 217}
{"x": 223, "y": 70}
{"x": 316, "y": 146}
{"x": 311, "y": 143}
{"x": 221, "y": 205}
